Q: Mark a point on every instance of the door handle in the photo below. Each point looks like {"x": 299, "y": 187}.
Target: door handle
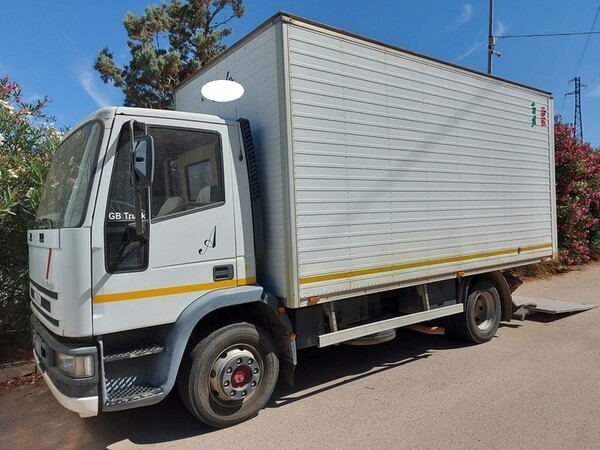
{"x": 221, "y": 273}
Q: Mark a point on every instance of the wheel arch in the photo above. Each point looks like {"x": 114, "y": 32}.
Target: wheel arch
{"x": 242, "y": 304}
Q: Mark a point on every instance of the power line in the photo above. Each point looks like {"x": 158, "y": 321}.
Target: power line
{"x": 562, "y": 109}
{"x": 584, "y": 33}
{"x": 594, "y": 79}
{"x": 585, "y": 46}
{"x": 578, "y": 85}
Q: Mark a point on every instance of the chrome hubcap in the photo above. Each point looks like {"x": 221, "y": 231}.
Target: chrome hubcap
{"x": 235, "y": 374}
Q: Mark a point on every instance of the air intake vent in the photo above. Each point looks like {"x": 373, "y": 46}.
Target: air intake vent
{"x": 250, "y": 158}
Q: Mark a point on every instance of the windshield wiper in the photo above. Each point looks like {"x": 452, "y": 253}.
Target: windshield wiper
{"x": 43, "y": 224}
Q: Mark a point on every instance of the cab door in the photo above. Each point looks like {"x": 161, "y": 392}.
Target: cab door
{"x": 188, "y": 214}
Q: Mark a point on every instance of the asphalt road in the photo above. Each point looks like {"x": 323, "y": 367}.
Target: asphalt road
{"x": 536, "y": 385}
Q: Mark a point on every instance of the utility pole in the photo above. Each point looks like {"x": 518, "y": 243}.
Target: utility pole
{"x": 578, "y": 123}
{"x": 491, "y": 39}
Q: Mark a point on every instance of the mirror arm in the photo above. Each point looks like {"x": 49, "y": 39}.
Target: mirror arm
{"x": 137, "y": 195}
{"x": 137, "y": 201}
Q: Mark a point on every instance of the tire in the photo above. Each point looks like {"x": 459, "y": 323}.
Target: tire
{"x": 230, "y": 375}
{"x": 481, "y": 317}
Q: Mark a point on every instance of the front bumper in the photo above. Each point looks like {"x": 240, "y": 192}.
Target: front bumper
{"x": 76, "y": 394}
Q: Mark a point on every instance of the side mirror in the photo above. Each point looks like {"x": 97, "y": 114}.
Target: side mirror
{"x": 143, "y": 162}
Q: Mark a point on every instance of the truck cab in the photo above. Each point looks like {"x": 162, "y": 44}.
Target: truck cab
{"x": 117, "y": 269}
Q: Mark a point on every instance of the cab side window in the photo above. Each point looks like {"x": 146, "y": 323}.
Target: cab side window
{"x": 188, "y": 171}
{"x": 124, "y": 252}
{"x": 188, "y": 176}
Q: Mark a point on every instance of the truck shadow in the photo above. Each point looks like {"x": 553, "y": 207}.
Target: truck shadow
{"x": 550, "y": 318}
{"x": 319, "y": 370}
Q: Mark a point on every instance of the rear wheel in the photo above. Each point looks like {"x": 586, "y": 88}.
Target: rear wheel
{"x": 230, "y": 375}
{"x": 481, "y": 317}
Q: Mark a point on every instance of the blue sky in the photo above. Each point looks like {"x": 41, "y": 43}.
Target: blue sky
{"x": 50, "y": 46}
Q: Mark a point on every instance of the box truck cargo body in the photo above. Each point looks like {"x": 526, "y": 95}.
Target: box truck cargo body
{"x": 381, "y": 167}
{"x": 353, "y": 189}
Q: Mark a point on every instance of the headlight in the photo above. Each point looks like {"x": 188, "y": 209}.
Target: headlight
{"x": 81, "y": 366}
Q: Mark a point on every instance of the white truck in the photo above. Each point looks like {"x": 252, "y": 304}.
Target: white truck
{"x": 354, "y": 189}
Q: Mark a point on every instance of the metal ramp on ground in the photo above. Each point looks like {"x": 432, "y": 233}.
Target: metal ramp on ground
{"x": 522, "y": 306}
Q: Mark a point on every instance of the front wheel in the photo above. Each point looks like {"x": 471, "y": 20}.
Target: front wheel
{"x": 230, "y": 375}
{"x": 481, "y": 317}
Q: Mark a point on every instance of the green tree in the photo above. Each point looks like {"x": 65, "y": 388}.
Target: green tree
{"x": 28, "y": 138}
{"x": 577, "y": 195}
{"x": 168, "y": 43}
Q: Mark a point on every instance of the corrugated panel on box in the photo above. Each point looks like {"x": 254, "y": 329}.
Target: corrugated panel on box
{"x": 407, "y": 169}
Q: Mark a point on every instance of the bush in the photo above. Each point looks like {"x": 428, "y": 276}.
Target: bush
{"x": 28, "y": 138}
{"x": 577, "y": 196}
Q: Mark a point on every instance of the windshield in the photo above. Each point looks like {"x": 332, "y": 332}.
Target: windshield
{"x": 66, "y": 192}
